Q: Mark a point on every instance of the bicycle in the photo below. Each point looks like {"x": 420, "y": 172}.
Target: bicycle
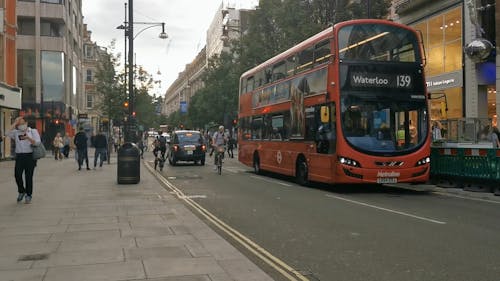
{"x": 159, "y": 161}
{"x": 219, "y": 156}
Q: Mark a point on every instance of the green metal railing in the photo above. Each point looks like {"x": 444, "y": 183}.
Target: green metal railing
{"x": 466, "y": 164}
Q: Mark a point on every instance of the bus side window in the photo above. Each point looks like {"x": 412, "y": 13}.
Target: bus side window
{"x": 325, "y": 134}
{"x": 306, "y": 58}
{"x": 322, "y": 52}
{"x": 250, "y": 84}
{"x": 279, "y": 70}
{"x": 243, "y": 87}
{"x": 290, "y": 66}
{"x": 257, "y": 128}
{"x": 311, "y": 118}
{"x": 286, "y": 125}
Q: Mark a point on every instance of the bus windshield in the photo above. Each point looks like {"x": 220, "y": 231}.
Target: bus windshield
{"x": 377, "y": 42}
{"x": 375, "y": 124}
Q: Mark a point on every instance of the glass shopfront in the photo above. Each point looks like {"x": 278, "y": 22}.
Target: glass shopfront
{"x": 442, "y": 36}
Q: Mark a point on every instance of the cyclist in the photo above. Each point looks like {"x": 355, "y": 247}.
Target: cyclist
{"x": 219, "y": 139}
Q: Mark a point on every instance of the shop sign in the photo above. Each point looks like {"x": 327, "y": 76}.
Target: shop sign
{"x": 445, "y": 81}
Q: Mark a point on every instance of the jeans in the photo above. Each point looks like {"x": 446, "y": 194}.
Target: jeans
{"x": 82, "y": 155}
{"x": 24, "y": 164}
{"x": 101, "y": 153}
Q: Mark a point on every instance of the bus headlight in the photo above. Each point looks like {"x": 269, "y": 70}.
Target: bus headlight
{"x": 348, "y": 162}
{"x": 424, "y": 161}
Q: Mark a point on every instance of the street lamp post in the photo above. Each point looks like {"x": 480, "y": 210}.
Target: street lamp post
{"x": 129, "y": 32}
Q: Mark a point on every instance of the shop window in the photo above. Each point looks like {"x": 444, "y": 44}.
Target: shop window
{"x": 435, "y": 31}
{"x": 453, "y": 25}
{"x": 453, "y": 59}
{"x": 435, "y": 61}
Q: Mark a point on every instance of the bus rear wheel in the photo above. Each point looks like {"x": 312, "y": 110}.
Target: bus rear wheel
{"x": 256, "y": 164}
{"x": 302, "y": 173}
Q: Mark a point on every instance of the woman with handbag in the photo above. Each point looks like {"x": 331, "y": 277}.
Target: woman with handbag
{"x": 25, "y": 138}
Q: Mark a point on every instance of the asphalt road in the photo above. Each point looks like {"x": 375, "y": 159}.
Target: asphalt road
{"x": 349, "y": 232}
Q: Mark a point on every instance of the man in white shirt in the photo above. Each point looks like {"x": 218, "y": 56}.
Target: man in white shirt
{"x": 24, "y": 137}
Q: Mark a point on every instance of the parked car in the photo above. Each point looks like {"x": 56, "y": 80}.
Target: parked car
{"x": 186, "y": 145}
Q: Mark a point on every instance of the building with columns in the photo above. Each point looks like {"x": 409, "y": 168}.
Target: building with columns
{"x": 49, "y": 64}
{"x": 462, "y": 86}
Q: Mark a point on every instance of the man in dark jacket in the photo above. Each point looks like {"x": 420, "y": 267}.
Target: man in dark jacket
{"x": 81, "y": 148}
{"x": 101, "y": 145}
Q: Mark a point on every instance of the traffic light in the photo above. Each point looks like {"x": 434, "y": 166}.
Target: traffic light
{"x": 126, "y": 107}
{"x": 235, "y": 121}
{"x": 133, "y": 114}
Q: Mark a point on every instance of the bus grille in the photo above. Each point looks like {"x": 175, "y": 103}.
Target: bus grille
{"x": 390, "y": 164}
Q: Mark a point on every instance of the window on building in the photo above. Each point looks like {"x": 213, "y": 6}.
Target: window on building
{"x": 53, "y": 75}
{"x": 25, "y": 26}
{"x": 50, "y": 28}
{"x": 89, "y": 77}
{"x": 442, "y": 36}
{"x": 52, "y": 1}
{"x": 88, "y": 51}
{"x": 90, "y": 101}
{"x": 26, "y": 74}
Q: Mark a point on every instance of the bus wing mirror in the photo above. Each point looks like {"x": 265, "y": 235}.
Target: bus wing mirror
{"x": 325, "y": 114}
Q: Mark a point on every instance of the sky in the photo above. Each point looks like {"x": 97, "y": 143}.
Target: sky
{"x": 186, "y": 23}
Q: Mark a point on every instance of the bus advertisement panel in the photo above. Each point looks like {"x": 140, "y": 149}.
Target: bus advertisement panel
{"x": 348, "y": 105}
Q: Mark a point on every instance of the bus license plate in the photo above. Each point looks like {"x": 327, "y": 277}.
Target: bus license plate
{"x": 189, "y": 152}
{"x": 387, "y": 180}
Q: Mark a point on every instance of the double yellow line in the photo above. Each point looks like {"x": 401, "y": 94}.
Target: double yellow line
{"x": 274, "y": 262}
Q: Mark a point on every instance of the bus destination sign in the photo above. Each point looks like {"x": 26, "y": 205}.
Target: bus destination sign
{"x": 378, "y": 80}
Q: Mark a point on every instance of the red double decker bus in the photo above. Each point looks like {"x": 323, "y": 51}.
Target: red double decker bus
{"x": 348, "y": 105}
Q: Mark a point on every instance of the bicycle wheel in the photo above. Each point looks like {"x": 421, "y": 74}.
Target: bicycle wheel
{"x": 219, "y": 165}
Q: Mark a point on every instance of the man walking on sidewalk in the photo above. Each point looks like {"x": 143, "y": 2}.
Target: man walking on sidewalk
{"x": 100, "y": 144}
{"x": 81, "y": 148}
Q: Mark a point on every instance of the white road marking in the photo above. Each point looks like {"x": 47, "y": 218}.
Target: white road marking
{"x": 467, "y": 198}
{"x": 279, "y": 265}
{"x": 193, "y": 196}
{"x": 385, "y": 209}
{"x": 271, "y": 181}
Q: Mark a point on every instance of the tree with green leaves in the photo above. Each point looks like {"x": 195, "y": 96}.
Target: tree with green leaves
{"x": 110, "y": 94}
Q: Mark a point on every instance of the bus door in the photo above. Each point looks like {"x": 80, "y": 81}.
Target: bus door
{"x": 321, "y": 137}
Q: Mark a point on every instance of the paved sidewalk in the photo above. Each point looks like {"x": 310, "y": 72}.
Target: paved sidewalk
{"x": 83, "y": 226}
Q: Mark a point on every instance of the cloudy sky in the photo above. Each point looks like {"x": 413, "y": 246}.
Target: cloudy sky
{"x": 186, "y": 24}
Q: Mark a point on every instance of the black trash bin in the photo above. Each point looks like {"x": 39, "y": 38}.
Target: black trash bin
{"x": 129, "y": 164}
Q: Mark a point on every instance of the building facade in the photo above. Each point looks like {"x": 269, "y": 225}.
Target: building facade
{"x": 10, "y": 94}
{"x": 91, "y": 117}
{"x": 228, "y": 24}
{"x": 188, "y": 82}
{"x": 460, "y": 85}
{"x": 49, "y": 64}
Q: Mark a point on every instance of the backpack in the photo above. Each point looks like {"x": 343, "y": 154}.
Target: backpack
{"x": 163, "y": 141}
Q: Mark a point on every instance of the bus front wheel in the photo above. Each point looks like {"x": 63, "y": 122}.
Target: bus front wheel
{"x": 301, "y": 173}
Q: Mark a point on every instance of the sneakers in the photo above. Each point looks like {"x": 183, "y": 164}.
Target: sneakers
{"x": 28, "y": 199}
{"x": 20, "y": 197}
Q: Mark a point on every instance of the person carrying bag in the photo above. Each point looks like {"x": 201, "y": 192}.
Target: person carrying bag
{"x": 28, "y": 150}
